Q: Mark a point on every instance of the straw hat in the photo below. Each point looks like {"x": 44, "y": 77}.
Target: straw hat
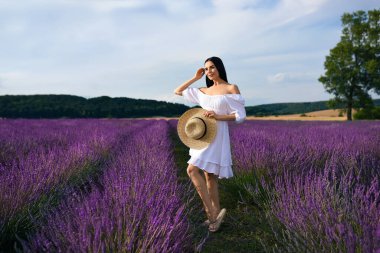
{"x": 196, "y": 130}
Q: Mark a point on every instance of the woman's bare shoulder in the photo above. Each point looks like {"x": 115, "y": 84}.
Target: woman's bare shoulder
{"x": 203, "y": 89}
{"x": 233, "y": 89}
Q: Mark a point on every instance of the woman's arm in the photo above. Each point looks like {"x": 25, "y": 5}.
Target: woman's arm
{"x": 182, "y": 87}
{"x": 227, "y": 117}
{"x": 230, "y": 117}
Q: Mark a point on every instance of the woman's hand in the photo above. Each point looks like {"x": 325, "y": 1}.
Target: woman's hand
{"x": 200, "y": 73}
{"x": 211, "y": 114}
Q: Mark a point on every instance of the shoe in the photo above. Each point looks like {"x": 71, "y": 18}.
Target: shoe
{"x": 214, "y": 226}
{"x": 206, "y": 223}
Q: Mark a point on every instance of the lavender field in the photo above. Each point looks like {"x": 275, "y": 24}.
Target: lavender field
{"x": 317, "y": 182}
{"x": 121, "y": 186}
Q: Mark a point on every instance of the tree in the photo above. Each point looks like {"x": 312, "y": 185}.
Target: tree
{"x": 353, "y": 66}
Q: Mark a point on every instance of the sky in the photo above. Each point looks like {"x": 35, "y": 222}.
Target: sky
{"x": 274, "y": 50}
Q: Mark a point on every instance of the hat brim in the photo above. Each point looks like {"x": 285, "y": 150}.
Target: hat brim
{"x": 206, "y": 139}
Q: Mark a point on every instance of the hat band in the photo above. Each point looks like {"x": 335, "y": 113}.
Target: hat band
{"x": 205, "y": 131}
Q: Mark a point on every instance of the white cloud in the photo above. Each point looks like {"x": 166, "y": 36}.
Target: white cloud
{"x": 234, "y": 5}
{"x": 279, "y": 77}
{"x": 107, "y": 6}
{"x": 292, "y": 77}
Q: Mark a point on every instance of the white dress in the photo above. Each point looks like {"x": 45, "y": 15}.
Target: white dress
{"x": 216, "y": 157}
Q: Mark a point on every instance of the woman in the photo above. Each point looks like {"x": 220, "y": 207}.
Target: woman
{"x": 223, "y": 102}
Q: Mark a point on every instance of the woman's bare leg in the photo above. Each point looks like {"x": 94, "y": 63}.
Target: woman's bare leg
{"x": 212, "y": 187}
{"x": 201, "y": 187}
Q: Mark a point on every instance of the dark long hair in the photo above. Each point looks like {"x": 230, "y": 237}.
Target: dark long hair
{"x": 220, "y": 67}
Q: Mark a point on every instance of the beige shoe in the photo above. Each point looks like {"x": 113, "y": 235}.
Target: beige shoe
{"x": 207, "y": 222}
{"x": 214, "y": 226}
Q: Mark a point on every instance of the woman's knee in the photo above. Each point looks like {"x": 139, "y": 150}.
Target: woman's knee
{"x": 191, "y": 169}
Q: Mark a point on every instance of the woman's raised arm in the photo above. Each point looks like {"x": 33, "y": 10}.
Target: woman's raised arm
{"x": 182, "y": 87}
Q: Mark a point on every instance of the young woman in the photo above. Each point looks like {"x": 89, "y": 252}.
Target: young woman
{"x": 221, "y": 101}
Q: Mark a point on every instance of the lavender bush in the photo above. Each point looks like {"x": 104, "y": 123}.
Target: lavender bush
{"x": 318, "y": 182}
{"x": 41, "y": 159}
{"x": 329, "y": 213}
{"x": 138, "y": 207}
{"x": 279, "y": 147}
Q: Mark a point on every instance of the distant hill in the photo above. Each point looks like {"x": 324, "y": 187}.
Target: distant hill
{"x": 67, "y": 106}
{"x": 290, "y": 108}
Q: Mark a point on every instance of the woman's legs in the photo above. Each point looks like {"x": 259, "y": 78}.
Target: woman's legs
{"x": 201, "y": 187}
{"x": 212, "y": 187}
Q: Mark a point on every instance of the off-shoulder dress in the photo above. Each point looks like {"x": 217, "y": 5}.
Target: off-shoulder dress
{"x": 216, "y": 157}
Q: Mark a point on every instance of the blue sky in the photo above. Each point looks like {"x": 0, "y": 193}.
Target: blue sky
{"x": 273, "y": 50}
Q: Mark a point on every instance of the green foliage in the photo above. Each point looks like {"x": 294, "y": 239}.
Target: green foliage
{"x": 353, "y": 66}
{"x": 67, "y": 106}
{"x": 368, "y": 113}
{"x": 285, "y": 108}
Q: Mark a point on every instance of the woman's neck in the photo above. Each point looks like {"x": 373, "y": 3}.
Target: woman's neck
{"x": 219, "y": 82}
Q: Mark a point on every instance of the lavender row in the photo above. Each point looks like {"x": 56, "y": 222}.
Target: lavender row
{"x": 18, "y": 138}
{"x": 44, "y": 156}
{"x": 325, "y": 213}
{"x": 319, "y": 182}
{"x": 277, "y": 147}
{"x": 137, "y": 209}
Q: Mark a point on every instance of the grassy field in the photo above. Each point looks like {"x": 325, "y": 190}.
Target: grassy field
{"x": 324, "y": 115}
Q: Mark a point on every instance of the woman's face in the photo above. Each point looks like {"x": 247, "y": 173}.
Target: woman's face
{"x": 211, "y": 71}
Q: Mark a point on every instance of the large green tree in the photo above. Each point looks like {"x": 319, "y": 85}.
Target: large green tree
{"x": 353, "y": 66}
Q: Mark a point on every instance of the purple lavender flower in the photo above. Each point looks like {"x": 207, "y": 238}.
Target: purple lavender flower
{"x": 138, "y": 207}
{"x": 323, "y": 178}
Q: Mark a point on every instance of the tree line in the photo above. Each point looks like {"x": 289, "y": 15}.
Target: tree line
{"x": 68, "y": 106}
